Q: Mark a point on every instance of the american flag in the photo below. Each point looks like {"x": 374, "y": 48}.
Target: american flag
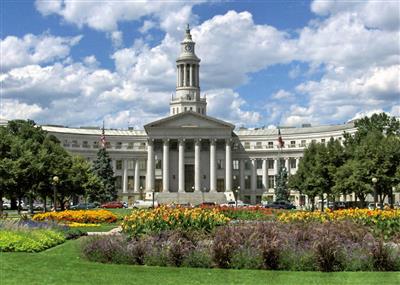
{"x": 281, "y": 143}
{"x": 103, "y": 137}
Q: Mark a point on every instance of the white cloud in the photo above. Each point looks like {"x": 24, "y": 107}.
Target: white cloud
{"x": 13, "y": 109}
{"x": 32, "y": 49}
{"x": 282, "y": 95}
{"x": 116, "y": 38}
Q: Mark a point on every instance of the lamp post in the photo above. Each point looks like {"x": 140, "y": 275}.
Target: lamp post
{"x": 374, "y": 181}
{"x": 55, "y": 182}
{"x": 153, "y": 197}
{"x": 237, "y": 195}
{"x": 141, "y": 193}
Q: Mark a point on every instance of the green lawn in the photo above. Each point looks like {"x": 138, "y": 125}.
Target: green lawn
{"x": 63, "y": 265}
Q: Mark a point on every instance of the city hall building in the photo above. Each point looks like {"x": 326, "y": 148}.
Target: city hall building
{"x": 190, "y": 157}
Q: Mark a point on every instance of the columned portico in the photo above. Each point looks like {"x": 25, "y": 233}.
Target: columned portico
{"x": 150, "y": 166}
{"x": 125, "y": 177}
{"x": 213, "y": 162}
{"x": 253, "y": 174}
{"x": 197, "y": 165}
{"x": 228, "y": 165}
{"x": 265, "y": 175}
{"x": 136, "y": 178}
{"x": 165, "y": 170}
{"x": 181, "y": 166}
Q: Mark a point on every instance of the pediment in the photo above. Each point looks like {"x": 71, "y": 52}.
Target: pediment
{"x": 188, "y": 122}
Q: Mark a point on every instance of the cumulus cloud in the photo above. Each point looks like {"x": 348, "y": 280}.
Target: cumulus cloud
{"x": 13, "y": 109}
{"x": 282, "y": 95}
{"x": 32, "y": 49}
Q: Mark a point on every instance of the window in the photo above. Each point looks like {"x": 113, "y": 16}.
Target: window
{"x": 235, "y": 164}
{"x": 158, "y": 163}
{"x": 118, "y": 182}
{"x": 247, "y": 145}
{"x": 75, "y": 143}
{"x": 247, "y": 182}
{"x": 270, "y": 164}
{"x": 118, "y": 165}
{"x": 322, "y": 140}
{"x": 220, "y": 145}
{"x": 130, "y": 145}
{"x": 271, "y": 181}
{"x": 259, "y": 163}
{"x": 220, "y": 185}
{"x": 258, "y": 199}
{"x": 142, "y": 181}
{"x": 173, "y": 145}
{"x": 118, "y": 145}
{"x": 142, "y": 164}
{"x": 235, "y": 146}
{"x": 185, "y": 109}
{"x": 303, "y": 143}
{"x": 131, "y": 183}
{"x": 220, "y": 164}
{"x": 85, "y": 144}
{"x": 130, "y": 164}
{"x": 108, "y": 145}
{"x": 142, "y": 145}
{"x": 189, "y": 146}
{"x": 313, "y": 141}
{"x": 259, "y": 182}
{"x": 292, "y": 144}
{"x": 270, "y": 144}
{"x": 65, "y": 143}
{"x": 95, "y": 144}
{"x": 258, "y": 145}
{"x": 293, "y": 163}
{"x": 205, "y": 146}
{"x": 247, "y": 165}
{"x": 191, "y": 109}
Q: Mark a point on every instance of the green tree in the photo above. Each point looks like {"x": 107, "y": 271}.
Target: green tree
{"x": 103, "y": 169}
{"x": 282, "y": 191}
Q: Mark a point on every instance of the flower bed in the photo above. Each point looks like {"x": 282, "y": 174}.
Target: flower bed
{"x": 386, "y": 222}
{"x": 166, "y": 218}
{"x": 81, "y": 216}
{"x": 247, "y": 213}
{"x": 29, "y": 240}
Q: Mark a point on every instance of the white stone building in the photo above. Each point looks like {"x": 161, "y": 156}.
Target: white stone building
{"x": 191, "y": 157}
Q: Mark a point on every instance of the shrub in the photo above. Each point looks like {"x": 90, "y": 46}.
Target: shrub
{"x": 226, "y": 241}
{"x": 80, "y": 216}
{"x": 246, "y": 258}
{"x": 106, "y": 249}
{"x": 382, "y": 259}
{"x": 328, "y": 254}
{"x": 199, "y": 258}
{"x": 179, "y": 246}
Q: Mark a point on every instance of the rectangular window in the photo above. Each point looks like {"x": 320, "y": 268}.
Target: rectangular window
{"x": 259, "y": 182}
{"x": 131, "y": 183}
{"x": 235, "y": 164}
{"x": 220, "y": 164}
{"x": 142, "y": 145}
{"x": 85, "y": 144}
{"x": 247, "y": 165}
{"x": 118, "y": 145}
{"x": 259, "y": 163}
{"x": 313, "y": 141}
{"x": 293, "y": 163}
{"x": 173, "y": 145}
{"x": 142, "y": 181}
{"x": 220, "y": 145}
{"x": 142, "y": 164}
{"x": 189, "y": 146}
{"x": 158, "y": 163}
{"x": 205, "y": 146}
{"x": 95, "y": 144}
{"x": 258, "y": 145}
{"x": 118, "y": 182}
{"x": 108, "y": 145}
{"x": 130, "y": 164}
{"x": 130, "y": 145}
{"x": 292, "y": 144}
{"x": 247, "y": 182}
{"x": 220, "y": 185}
{"x": 270, "y": 164}
{"x": 65, "y": 143}
{"x": 247, "y": 145}
{"x": 118, "y": 165}
{"x": 271, "y": 181}
{"x": 322, "y": 140}
{"x": 270, "y": 144}
{"x": 303, "y": 143}
{"x": 75, "y": 143}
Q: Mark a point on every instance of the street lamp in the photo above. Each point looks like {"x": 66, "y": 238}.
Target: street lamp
{"x": 55, "y": 182}
{"x": 141, "y": 193}
{"x": 237, "y": 195}
{"x": 374, "y": 181}
{"x": 153, "y": 196}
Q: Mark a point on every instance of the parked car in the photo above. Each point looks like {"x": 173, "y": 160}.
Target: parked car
{"x": 112, "y": 205}
{"x": 83, "y": 206}
{"x": 280, "y": 205}
{"x": 207, "y": 204}
{"x": 144, "y": 204}
{"x": 372, "y": 206}
{"x": 6, "y": 205}
{"x": 234, "y": 204}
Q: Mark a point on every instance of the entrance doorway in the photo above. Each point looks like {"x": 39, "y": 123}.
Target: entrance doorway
{"x": 189, "y": 177}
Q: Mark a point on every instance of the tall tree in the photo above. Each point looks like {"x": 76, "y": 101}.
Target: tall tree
{"x": 103, "y": 169}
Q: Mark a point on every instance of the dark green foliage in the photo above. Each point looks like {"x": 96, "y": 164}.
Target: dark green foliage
{"x": 103, "y": 169}
{"x": 282, "y": 191}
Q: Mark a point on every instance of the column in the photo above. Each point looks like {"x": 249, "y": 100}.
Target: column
{"x": 197, "y": 173}
{"x": 253, "y": 175}
{"x": 228, "y": 166}
{"x": 287, "y": 164}
{"x": 191, "y": 75}
{"x": 213, "y": 164}
{"x": 241, "y": 173}
{"x": 150, "y": 167}
{"x": 265, "y": 174}
{"x": 276, "y": 166}
{"x": 181, "y": 166}
{"x": 165, "y": 171}
{"x": 194, "y": 75}
{"x": 197, "y": 76}
{"x": 114, "y": 165}
{"x": 125, "y": 177}
{"x": 177, "y": 75}
{"x": 137, "y": 176}
{"x": 184, "y": 75}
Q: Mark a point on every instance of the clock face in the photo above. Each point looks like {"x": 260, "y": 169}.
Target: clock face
{"x": 188, "y": 47}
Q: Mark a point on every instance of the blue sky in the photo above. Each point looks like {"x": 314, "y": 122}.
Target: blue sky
{"x": 263, "y": 62}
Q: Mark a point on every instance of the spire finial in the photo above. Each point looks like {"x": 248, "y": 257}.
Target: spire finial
{"x": 187, "y": 28}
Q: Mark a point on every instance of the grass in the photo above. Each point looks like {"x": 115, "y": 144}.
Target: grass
{"x": 63, "y": 265}
{"x": 101, "y": 228}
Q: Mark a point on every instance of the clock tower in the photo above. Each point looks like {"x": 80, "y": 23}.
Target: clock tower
{"x": 187, "y": 80}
